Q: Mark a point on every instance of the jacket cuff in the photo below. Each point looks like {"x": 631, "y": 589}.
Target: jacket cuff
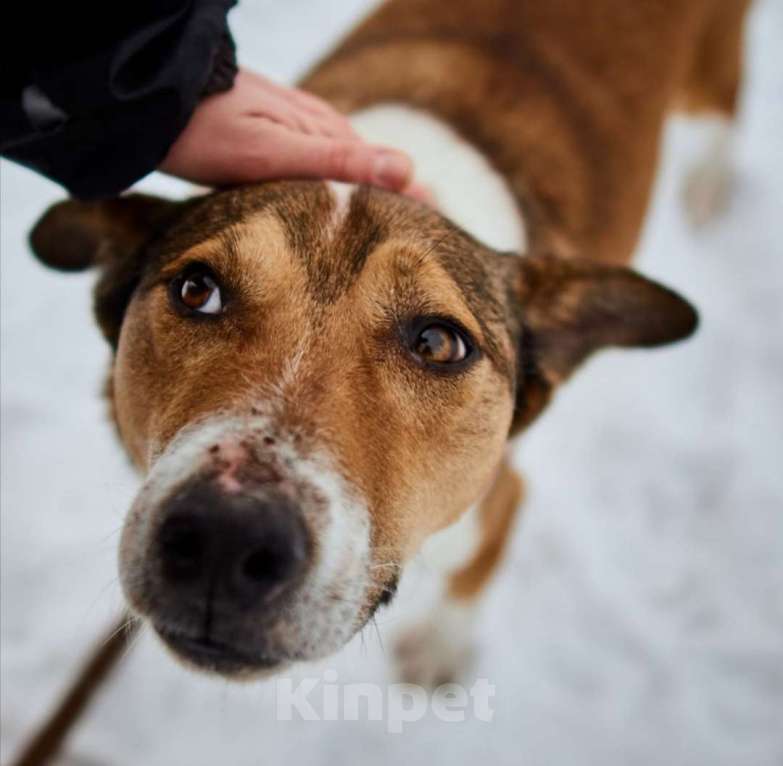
{"x": 224, "y": 67}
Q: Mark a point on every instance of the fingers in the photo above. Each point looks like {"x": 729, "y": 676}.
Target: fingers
{"x": 296, "y": 108}
{"x": 302, "y": 98}
{"x": 335, "y": 150}
{"x": 336, "y": 123}
{"x": 258, "y": 131}
{"x": 292, "y": 155}
{"x": 292, "y": 114}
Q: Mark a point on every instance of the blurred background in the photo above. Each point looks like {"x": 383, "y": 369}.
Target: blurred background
{"x": 639, "y": 615}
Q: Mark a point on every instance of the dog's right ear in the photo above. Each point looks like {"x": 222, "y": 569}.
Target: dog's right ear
{"x": 113, "y": 234}
{"x": 74, "y": 235}
{"x": 569, "y": 308}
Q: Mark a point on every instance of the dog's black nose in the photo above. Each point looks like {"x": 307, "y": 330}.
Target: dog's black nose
{"x": 233, "y": 548}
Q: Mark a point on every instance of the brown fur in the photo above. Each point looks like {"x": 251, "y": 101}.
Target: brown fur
{"x": 715, "y": 75}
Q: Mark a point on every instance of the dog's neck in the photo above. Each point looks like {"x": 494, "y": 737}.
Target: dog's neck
{"x": 467, "y": 189}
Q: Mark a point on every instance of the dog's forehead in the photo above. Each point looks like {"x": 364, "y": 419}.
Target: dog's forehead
{"x": 329, "y": 231}
{"x": 329, "y": 226}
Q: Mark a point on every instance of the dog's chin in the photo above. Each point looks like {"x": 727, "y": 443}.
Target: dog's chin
{"x": 218, "y": 658}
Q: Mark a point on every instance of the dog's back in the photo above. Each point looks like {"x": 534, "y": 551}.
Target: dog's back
{"x": 567, "y": 99}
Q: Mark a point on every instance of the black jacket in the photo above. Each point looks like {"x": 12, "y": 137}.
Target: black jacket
{"x": 97, "y": 93}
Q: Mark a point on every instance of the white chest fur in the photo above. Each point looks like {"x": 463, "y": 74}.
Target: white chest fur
{"x": 453, "y": 546}
{"x": 468, "y": 190}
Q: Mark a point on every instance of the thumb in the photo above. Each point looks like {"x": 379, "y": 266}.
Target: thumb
{"x": 306, "y": 156}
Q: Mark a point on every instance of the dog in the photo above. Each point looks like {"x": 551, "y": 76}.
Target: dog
{"x": 317, "y": 380}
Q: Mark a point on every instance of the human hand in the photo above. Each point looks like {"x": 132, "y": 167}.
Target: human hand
{"x": 259, "y": 130}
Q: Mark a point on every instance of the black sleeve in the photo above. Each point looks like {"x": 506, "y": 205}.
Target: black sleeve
{"x": 101, "y": 91}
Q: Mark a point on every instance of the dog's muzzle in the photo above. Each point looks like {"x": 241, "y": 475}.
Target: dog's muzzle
{"x": 243, "y": 555}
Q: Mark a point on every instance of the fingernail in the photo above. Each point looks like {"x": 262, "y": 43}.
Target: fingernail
{"x": 421, "y": 193}
{"x": 391, "y": 170}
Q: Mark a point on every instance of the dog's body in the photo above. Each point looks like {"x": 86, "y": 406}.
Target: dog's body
{"x": 565, "y": 100}
{"x": 317, "y": 378}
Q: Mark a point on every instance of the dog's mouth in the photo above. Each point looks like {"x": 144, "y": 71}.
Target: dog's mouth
{"x": 217, "y": 656}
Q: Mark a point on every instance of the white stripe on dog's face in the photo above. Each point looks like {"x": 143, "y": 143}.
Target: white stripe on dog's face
{"x": 341, "y": 195}
{"x": 326, "y": 609}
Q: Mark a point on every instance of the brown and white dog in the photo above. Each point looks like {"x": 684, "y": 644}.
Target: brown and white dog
{"x": 317, "y": 378}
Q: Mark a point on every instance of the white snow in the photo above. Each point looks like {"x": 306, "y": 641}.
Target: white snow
{"x": 639, "y": 616}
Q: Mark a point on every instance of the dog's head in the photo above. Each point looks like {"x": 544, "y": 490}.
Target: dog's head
{"x": 314, "y": 379}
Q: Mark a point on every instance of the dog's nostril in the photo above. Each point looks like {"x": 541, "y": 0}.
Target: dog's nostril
{"x": 264, "y": 566}
{"x": 277, "y": 555}
{"x": 182, "y": 548}
{"x": 185, "y": 546}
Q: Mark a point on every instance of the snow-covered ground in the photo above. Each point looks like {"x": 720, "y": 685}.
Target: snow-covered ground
{"x": 639, "y": 616}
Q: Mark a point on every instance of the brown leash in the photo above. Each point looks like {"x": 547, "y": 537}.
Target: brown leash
{"x": 47, "y": 741}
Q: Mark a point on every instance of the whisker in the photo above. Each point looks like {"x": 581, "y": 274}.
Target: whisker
{"x": 132, "y": 640}
{"x": 111, "y": 534}
{"x": 378, "y": 633}
{"x": 128, "y": 626}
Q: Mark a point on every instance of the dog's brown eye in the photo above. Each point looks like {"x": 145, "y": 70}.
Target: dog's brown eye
{"x": 199, "y": 292}
{"x": 440, "y": 344}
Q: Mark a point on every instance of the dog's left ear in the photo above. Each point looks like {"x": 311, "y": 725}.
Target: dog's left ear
{"x": 111, "y": 234}
{"x": 74, "y": 235}
{"x": 570, "y": 308}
